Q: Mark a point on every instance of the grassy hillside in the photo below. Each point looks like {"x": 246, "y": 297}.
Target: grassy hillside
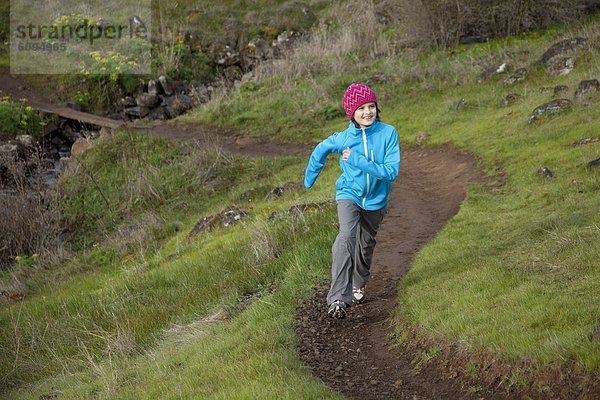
{"x": 517, "y": 271}
{"x": 141, "y": 311}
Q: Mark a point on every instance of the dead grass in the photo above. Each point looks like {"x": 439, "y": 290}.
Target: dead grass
{"x": 28, "y": 218}
{"x": 337, "y": 43}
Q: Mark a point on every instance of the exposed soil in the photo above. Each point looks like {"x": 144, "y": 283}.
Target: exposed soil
{"x": 356, "y": 356}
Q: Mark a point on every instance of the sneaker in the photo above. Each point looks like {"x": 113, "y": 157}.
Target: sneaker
{"x": 358, "y": 295}
{"x": 337, "y": 309}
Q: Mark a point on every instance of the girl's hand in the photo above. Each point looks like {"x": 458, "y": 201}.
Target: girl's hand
{"x": 346, "y": 154}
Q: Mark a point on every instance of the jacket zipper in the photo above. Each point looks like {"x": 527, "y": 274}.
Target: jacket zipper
{"x": 364, "y": 135}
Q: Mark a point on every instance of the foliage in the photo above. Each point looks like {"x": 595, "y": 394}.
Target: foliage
{"x": 109, "y": 76}
{"x": 28, "y": 218}
{"x": 17, "y": 118}
{"x": 180, "y": 61}
{"x": 72, "y": 22}
{"x": 442, "y": 23}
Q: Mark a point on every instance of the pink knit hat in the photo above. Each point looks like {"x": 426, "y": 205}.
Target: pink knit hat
{"x": 356, "y": 95}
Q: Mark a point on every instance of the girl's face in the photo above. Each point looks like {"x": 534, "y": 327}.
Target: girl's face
{"x": 365, "y": 114}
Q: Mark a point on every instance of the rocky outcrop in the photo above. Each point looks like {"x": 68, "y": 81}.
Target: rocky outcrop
{"x": 279, "y": 191}
{"x": 229, "y": 216}
{"x": 586, "y": 89}
{"x": 510, "y": 99}
{"x": 492, "y": 70}
{"x": 554, "y": 107}
{"x": 559, "y": 59}
{"x": 545, "y": 172}
{"x": 518, "y": 76}
{"x": 163, "y": 99}
{"x": 585, "y": 141}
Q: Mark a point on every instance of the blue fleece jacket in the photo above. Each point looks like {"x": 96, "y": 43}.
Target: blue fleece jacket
{"x": 368, "y": 173}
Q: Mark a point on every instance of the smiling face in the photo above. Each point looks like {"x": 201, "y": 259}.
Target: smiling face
{"x": 365, "y": 114}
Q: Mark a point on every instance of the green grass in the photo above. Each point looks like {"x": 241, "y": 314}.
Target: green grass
{"x": 114, "y": 301}
{"x": 252, "y": 354}
{"x": 515, "y": 272}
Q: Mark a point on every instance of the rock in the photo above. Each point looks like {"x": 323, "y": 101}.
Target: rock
{"x": 554, "y": 107}
{"x": 225, "y": 218}
{"x": 563, "y": 48}
{"x": 594, "y": 163}
{"x": 510, "y": 99}
{"x": 57, "y": 141}
{"x": 559, "y": 66}
{"x": 181, "y": 87}
{"x": 421, "y": 138}
{"x": 179, "y": 104}
{"x": 233, "y": 73}
{"x": 185, "y": 150}
{"x": 167, "y": 84}
{"x": 545, "y": 172}
{"x": 170, "y": 112}
{"x": 158, "y": 113}
{"x": 71, "y": 135}
{"x": 492, "y": 70}
{"x": 585, "y": 141}
{"x": 278, "y": 191}
{"x": 127, "y": 101}
{"x": 231, "y": 217}
{"x": 255, "y": 51}
{"x": 559, "y": 89}
{"x": 80, "y": 147}
{"x": 518, "y": 76}
{"x": 154, "y": 88}
{"x": 25, "y": 140}
{"x": 9, "y": 149}
{"x": 201, "y": 93}
{"x": 559, "y": 58}
{"x": 228, "y": 57}
{"x": 586, "y": 88}
{"x": 146, "y": 100}
{"x": 137, "y": 112}
{"x": 473, "y": 39}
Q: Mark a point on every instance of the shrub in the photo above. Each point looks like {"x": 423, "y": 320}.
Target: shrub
{"x": 110, "y": 75}
{"x": 442, "y": 23}
{"x": 17, "y": 118}
{"x": 28, "y": 217}
{"x": 180, "y": 61}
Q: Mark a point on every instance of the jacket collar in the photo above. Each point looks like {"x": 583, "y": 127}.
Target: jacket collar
{"x": 368, "y": 130}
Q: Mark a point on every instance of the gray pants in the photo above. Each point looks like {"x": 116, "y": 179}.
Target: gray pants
{"x": 352, "y": 249}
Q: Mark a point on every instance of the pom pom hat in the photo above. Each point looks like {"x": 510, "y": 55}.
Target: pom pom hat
{"x": 356, "y": 95}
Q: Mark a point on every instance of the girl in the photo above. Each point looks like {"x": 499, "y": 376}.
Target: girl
{"x": 370, "y": 160}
